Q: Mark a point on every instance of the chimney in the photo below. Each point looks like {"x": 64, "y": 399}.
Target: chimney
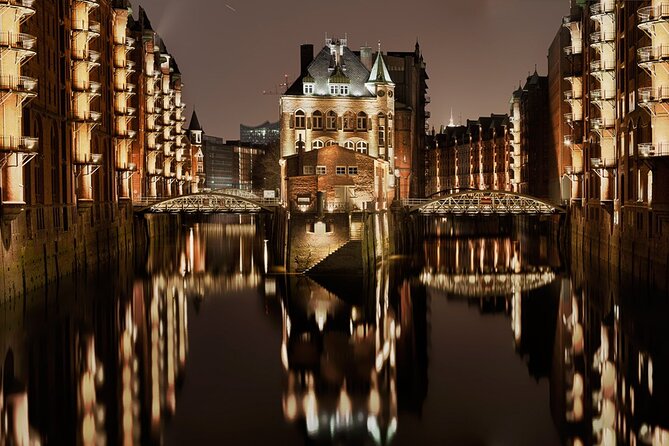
{"x": 306, "y": 57}
{"x": 366, "y": 57}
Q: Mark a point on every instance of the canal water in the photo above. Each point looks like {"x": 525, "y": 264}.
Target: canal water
{"x": 462, "y": 340}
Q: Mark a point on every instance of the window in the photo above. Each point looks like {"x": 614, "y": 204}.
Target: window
{"x": 361, "y": 147}
{"x": 300, "y": 120}
{"x": 349, "y": 121}
{"x": 308, "y": 88}
{"x": 340, "y": 170}
{"x": 331, "y": 121}
{"x": 352, "y": 170}
{"x": 349, "y": 145}
{"x": 362, "y": 121}
{"x": 334, "y": 90}
{"x": 308, "y": 170}
{"x": 318, "y": 144}
{"x": 331, "y": 142}
{"x": 382, "y": 129}
{"x": 321, "y": 170}
{"x": 344, "y": 90}
{"x": 317, "y": 120}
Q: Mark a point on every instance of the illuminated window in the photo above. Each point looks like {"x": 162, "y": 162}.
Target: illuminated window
{"x": 317, "y": 120}
{"x": 331, "y": 142}
{"x": 349, "y": 121}
{"x": 361, "y": 147}
{"x": 340, "y": 170}
{"x": 349, "y": 145}
{"x": 331, "y": 121}
{"x": 300, "y": 120}
{"x": 362, "y": 121}
{"x": 344, "y": 90}
{"x": 352, "y": 170}
{"x": 334, "y": 90}
{"x": 308, "y": 170}
{"x": 318, "y": 144}
{"x": 321, "y": 170}
{"x": 382, "y": 129}
{"x": 308, "y": 88}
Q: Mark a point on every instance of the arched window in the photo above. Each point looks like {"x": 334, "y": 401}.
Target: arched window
{"x": 317, "y": 120}
{"x": 318, "y": 144}
{"x": 349, "y": 145}
{"x": 362, "y": 121}
{"x": 361, "y": 147}
{"x": 300, "y": 120}
{"x": 349, "y": 121}
{"x": 331, "y": 121}
{"x": 331, "y": 142}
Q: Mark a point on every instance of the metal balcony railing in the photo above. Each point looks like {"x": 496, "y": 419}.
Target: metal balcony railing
{"x": 603, "y": 7}
{"x": 653, "y": 94}
{"x": 598, "y": 66}
{"x": 602, "y": 95}
{"x": 87, "y": 116}
{"x": 572, "y": 94}
{"x": 19, "y": 84}
{"x": 93, "y": 159}
{"x": 575, "y": 49}
{"x": 89, "y": 56}
{"x": 648, "y": 150}
{"x": 87, "y": 86}
{"x": 602, "y": 123}
{"x": 602, "y": 163}
{"x": 650, "y": 14}
{"x": 19, "y": 143}
{"x": 87, "y": 26}
{"x": 602, "y": 37}
{"x": 657, "y": 53}
{"x": 568, "y": 140}
{"x": 569, "y": 117}
{"x": 26, "y": 7}
{"x": 18, "y": 41}
{"x": 90, "y": 3}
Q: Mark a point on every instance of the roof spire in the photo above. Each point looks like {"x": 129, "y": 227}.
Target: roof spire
{"x": 451, "y": 122}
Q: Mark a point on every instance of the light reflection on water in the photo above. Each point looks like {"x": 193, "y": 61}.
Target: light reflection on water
{"x": 473, "y": 340}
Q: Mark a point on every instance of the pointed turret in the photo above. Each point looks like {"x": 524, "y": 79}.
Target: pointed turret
{"x": 194, "y": 123}
{"x": 380, "y": 74}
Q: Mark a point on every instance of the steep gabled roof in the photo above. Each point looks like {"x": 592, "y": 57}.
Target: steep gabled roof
{"x": 194, "y": 123}
{"x": 380, "y": 74}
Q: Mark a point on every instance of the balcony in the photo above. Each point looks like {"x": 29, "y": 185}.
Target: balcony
{"x": 574, "y": 50}
{"x": 602, "y": 123}
{"x": 93, "y": 159}
{"x": 23, "y": 44}
{"x": 653, "y": 54}
{"x": 653, "y": 94}
{"x": 126, "y": 111}
{"x": 600, "y": 66}
{"x": 23, "y": 85}
{"x": 90, "y": 3}
{"x": 649, "y": 15}
{"x": 602, "y": 95}
{"x": 18, "y": 143}
{"x": 88, "y": 56}
{"x": 428, "y": 115}
{"x": 603, "y": 163}
{"x": 599, "y": 37}
{"x": 90, "y": 87}
{"x": 24, "y": 7}
{"x": 568, "y": 140}
{"x": 604, "y": 7}
{"x": 90, "y": 27}
{"x": 650, "y": 150}
{"x": 127, "y": 135}
{"x": 87, "y": 116}
{"x": 571, "y": 95}
{"x": 129, "y": 167}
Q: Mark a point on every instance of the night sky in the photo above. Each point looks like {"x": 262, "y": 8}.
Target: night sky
{"x": 230, "y": 51}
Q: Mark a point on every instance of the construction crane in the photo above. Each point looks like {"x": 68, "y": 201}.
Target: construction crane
{"x": 278, "y": 89}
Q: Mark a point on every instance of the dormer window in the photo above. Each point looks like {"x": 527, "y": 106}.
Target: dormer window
{"x": 339, "y": 89}
{"x": 309, "y": 88}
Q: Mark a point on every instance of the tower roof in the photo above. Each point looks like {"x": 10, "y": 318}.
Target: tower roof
{"x": 380, "y": 72}
{"x": 194, "y": 123}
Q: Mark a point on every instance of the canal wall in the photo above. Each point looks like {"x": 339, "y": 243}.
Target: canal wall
{"x": 40, "y": 247}
{"x": 636, "y": 248}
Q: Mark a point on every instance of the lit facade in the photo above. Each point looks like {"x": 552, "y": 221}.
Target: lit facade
{"x": 261, "y": 135}
{"x": 472, "y": 156}
{"x": 337, "y": 102}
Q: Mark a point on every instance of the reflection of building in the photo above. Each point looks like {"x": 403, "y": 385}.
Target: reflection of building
{"x": 474, "y": 156}
{"x": 263, "y": 135}
{"x": 337, "y": 129}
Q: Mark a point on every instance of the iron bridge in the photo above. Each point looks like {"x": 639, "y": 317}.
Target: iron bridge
{"x": 210, "y": 203}
{"x": 482, "y": 203}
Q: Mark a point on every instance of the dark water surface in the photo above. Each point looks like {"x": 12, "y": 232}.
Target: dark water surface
{"x": 468, "y": 341}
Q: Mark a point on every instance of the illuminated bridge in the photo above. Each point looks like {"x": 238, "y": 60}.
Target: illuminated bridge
{"x": 487, "y": 284}
{"x": 210, "y": 203}
{"x": 481, "y": 203}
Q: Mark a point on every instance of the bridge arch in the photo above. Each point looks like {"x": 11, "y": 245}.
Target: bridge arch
{"x": 212, "y": 203}
{"x": 483, "y": 203}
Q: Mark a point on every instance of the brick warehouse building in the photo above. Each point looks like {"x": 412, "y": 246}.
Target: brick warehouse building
{"x": 338, "y": 104}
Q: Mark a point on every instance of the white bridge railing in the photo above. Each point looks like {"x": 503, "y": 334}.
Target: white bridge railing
{"x": 481, "y": 202}
{"x": 208, "y": 203}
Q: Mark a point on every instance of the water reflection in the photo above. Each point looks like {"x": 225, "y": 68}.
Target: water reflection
{"x": 374, "y": 360}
